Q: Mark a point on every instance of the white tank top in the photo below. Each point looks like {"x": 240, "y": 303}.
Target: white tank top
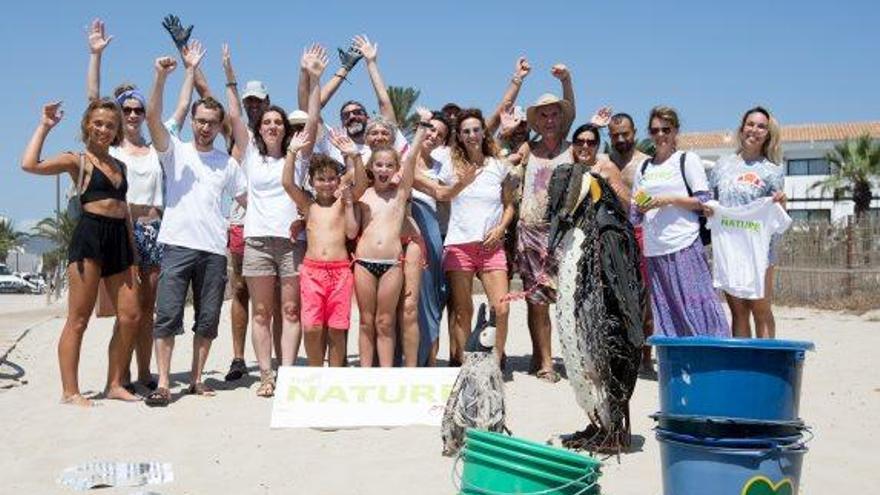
{"x": 144, "y": 174}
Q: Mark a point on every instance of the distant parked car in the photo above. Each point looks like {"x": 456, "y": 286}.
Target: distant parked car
{"x": 13, "y": 284}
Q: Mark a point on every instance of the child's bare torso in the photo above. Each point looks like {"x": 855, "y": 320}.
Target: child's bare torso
{"x": 382, "y": 216}
{"x": 325, "y": 231}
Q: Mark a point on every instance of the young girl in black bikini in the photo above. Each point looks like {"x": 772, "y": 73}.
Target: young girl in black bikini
{"x": 102, "y": 244}
{"x": 378, "y": 276}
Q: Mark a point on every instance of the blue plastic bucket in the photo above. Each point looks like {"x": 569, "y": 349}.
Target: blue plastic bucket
{"x": 733, "y": 378}
{"x": 717, "y": 427}
{"x": 693, "y": 466}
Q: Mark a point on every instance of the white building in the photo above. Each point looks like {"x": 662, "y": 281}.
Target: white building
{"x": 804, "y": 148}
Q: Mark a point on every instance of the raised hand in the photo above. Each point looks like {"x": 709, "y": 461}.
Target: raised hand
{"x": 509, "y": 119}
{"x": 98, "y": 39}
{"x": 344, "y": 192}
{"x": 560, "y": 71}
{"x": 314, "y": 60}
{"x": 192, "y": 54}
{"x": 179, "y": 34}
{"x": 349, "y": 58}
{"x": 365, "y": 47}
{"x": 165, "y": 65}
{"x": 298, "y": 141}
{"x": 340, "y": 140}
{"x": 522, "y": 68}
{"x": 424, "y": 114}
{"x": 52, "y": 114}
{"x": 227, "y": 63}
{"x": 466, "y": 173}
{"x": 602, "y": 116}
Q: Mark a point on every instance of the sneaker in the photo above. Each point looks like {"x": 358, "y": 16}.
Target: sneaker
{"x": 236, "y": 370}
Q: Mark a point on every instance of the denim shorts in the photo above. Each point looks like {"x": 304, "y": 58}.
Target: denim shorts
{"x": 182, "y": 267}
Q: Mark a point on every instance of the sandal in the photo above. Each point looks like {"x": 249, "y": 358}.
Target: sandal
{"x": 160, "y": 397}
{"x": 267, "y": 384}
{"x": 201, "y": 389}
{"x": 549, "y": 376}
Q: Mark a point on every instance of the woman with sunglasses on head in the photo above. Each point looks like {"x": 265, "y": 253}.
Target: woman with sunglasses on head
{"x": 669, "y": 190}
{"x": 145, "y": 186}
{"x": 740, "y": 179}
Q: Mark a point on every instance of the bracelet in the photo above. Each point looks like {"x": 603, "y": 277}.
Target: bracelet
{"x": 516, "y": 80}
{"x": 231, "y": 84}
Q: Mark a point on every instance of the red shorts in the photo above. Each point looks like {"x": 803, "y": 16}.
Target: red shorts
{"x": 473, "y": 257}
{"x": 325, "y": 293}
{"x": 235, "y": 242}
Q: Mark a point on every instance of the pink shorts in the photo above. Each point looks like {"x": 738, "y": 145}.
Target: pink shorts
{"x": 325, "y": 293}
{"x": 473, "y": 257}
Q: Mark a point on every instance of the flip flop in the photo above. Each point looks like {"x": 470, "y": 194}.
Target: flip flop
{"x": 201, "y": 389}
{"x": 160, "y": 397}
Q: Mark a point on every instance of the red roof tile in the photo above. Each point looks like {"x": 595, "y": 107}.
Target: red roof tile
{"x": 790, "y": 133}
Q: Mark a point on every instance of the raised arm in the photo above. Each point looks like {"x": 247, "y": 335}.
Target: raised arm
{"x": 186, "y": 89}
{"x": 98, "y": 40}
{"x": 352, "y": 226}
{"x": 348, "y": 59}
{"x": 370, "y": 51}
{"x": 314, "y": 62}
{"x": 180, "y": 37}
{"x": 561, "y": 72}
{"x": 355, "y": 172}
{"x": 520, "y": 71}
{"x": 240, "y": 137}
{"x": 30, "y": 160}
{"x": 409, "y": 161}
{"x": 158, "y": 133}
{"x": 299, "y": 197}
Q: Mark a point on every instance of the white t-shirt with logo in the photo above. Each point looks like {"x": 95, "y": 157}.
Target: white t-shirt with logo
{"x": 194, "y": 186}
{"x": 270, "y": 211}
{"x": 670, "y": 229}
{"x": 740, "y": 241}
{"x": 478, "y": 207}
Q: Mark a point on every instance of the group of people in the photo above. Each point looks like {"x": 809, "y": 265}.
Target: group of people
{"x": 321, "y": 214}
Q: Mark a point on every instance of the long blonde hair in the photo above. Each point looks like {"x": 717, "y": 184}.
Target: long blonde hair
{"x": 771, "y": 149}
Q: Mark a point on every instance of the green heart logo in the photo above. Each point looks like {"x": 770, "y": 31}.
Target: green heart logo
{"x": 761, "y": 485}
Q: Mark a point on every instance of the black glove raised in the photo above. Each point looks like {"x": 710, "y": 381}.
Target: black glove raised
{"x": 179, "y": 35}
{"x": 349, "y": 58}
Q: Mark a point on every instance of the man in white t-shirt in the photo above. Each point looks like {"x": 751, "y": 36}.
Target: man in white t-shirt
{"x": 741, "y": 243}
{"x": 193, "y": 230}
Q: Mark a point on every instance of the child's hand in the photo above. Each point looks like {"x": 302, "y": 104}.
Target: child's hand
{"x": 344, "y": 192}
{"x": 296, "y": 227}
{"x": 340, "y": 140}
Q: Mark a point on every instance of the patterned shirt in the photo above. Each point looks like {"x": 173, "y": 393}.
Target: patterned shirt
{"x": 737, "y": 182}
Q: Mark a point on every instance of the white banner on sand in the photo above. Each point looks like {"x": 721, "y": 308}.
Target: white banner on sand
{"x": 357, "y": 397}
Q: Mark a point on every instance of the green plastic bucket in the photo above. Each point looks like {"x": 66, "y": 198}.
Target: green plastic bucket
{"x": 499, "y": 465}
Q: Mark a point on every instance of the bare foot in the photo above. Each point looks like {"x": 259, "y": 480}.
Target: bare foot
{"x": 120, "y": 393}
{"x": 77, "y": 400}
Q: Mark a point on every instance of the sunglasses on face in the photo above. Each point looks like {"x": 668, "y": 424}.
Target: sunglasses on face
{"x": 592, "y": 143}
{"x": 133, "y": 110}
{"x": 660, "y": 130}
{"x": 206, "y": 123}
{"x": 357, "y": 111}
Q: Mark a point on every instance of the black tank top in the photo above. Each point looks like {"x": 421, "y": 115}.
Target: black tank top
{"x": 101, "y": 187}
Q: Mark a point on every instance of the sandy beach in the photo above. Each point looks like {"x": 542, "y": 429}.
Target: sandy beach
{"x": 224, "y": 444}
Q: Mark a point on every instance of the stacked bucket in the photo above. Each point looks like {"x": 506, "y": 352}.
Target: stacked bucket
{"x": 728, "y": 420}
{"x": 498, "y": 464}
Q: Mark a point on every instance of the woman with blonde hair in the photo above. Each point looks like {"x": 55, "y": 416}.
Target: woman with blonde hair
{"x": 753, "y": 172}
{"x": 669, "y": 190}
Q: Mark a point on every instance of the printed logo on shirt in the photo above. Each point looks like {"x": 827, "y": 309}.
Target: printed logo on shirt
{"x": 751, "y": 179}
{"x": 733, "y": 223}
{"x": 659, "y": 175}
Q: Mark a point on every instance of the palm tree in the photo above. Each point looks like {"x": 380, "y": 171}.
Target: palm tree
{"x": 855, "y": 170}
{"x": 9, "y": 237}
{"x": 403, "y": 101}
{"x": 58, "y": 229}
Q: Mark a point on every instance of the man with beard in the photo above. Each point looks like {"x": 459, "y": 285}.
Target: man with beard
{"x": 622, "y": 132}
{"x": 194, "y": 230}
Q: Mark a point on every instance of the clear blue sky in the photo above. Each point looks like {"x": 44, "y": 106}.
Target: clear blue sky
{"x": 808, "y": 61}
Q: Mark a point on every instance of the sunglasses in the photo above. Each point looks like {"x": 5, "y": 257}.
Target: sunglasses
{"x": 660, "y": 130}
{"x": 134, "y": 110}
{"x": 358, "y": 112}
{"x": 592, "y": 143}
